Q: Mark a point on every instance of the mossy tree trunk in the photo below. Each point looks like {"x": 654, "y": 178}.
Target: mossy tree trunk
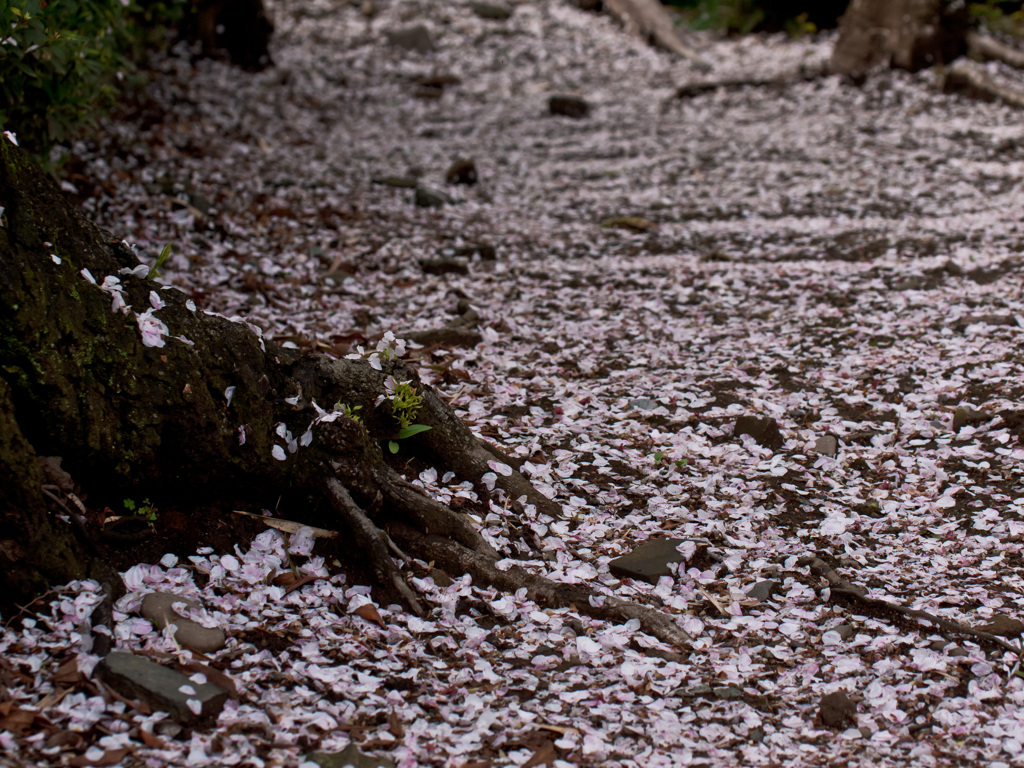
{"x": 88, "y": 373}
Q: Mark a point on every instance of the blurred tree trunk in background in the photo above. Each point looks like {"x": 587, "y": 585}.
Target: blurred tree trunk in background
{"x": 905, "y": 34}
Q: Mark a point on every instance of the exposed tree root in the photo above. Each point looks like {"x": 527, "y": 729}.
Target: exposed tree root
{"x": 468, "y": 457}
{"x": 970, "y": 79}
{"x": 649, "y": 20}
{"x": 986, "y": 48}
{"x": 371, "y": 540}
{"x": 840, "y": 585}
{"x": 455, "y": 558}
{"x": 215, "y": 412}
{"x": 803, "y": 75}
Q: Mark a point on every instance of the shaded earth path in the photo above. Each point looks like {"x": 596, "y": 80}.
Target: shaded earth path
{"x": 841, "y": 261}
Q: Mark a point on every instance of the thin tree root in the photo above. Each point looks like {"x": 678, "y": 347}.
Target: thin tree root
{"x": 838, "y": 584}
{"x": 455, "y": 558}
{"x": 430, "y": 516}
{"x": 371, "y": 540}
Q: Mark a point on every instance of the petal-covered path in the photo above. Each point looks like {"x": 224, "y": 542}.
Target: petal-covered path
{"x": 843, "y": 261}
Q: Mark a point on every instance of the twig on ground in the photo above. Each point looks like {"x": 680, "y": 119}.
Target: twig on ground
{"x": 453, "y": 557}
{"x": 713, "y": 601}
{"x": 838, "y": 584}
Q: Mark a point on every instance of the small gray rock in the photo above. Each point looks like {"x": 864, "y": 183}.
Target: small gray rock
{"x": 728, "y": 692}
{"x": 966, "y": 415}
{"x": 845, "y": 631}
{"x": 349, "y": 756}
{"x": 836, "y": 709}
{"x": 566, "y": 105}
{"x": 445, "y": 337}
{"x": 492, "y": 11}
{"x": 462, "y": 171}
{"x": 764, "y": 430}
{"x": 649, "y": 561}
{"x": 431, "y": 198}
{"x": 157, "y": 607}
{"x": 440, "y": 578}
{"x": 444, "y": 267}
{"x": 827, "y": 445}
{"x": 956, "y": 651}
{"x": 763, "y": 590}
{"x": 402, "y": 182}
{"x": 136, "y": 677}
{"x": 644, "y": 404}
{"x": 412, "y": 39}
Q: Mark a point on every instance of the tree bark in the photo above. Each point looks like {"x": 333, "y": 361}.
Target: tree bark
{"x": 140, "y": 392}
{"x": 905, "y": 34}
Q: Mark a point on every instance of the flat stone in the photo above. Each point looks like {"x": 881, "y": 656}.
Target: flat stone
{"x": 966, "y": 415}
{"x": 568, "y": 106}
{"x": 157, "y": 607}
{"x": 431, "y": 198}
{"x": 827, "y": 445}
{"x": 728, "y": 692}
{"x": 485, "y": 251}
{"x": 445, "y": 337}
{"x": 649, "y": 561}
{"x": 412, "y": 39}
{"x": 462, "y": 171}
{"x": 845, "y": 631}
{"x": 349, "y": 756}
{"x": 763, "y": 590}
{"x": 492, "y": 11}
{"x": 764, "y": 430}
{"x": 136, "y": 677}
{"x": 444, "y": 267}
{"x": 440, "y": 578}
{"x": 644, "y": 404}
{"x": 836, "y": 709}
{"x": 402, "y": 182}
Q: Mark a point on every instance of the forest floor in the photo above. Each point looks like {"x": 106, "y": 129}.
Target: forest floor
{"x": 843, "y": 260}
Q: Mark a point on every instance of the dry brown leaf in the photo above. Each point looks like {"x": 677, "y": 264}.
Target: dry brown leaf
{"x": 150, "y": 739}
{"x": 369, "y": 612}
{"x": 68, "y": 673}
{"x": 284, "y": 579}
{"x": 395, "y": 725}
{"x": 17, "y": 720}
{"x": 543, "y": 755}
{"x": 301, "y": 583}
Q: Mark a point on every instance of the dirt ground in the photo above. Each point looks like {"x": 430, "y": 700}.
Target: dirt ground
{"x": 841, "y": 260}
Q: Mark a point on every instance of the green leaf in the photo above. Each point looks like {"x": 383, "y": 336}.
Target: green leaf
{"x": 392, "y": 446}
{"x": 412, "y": 429}
{"x": 658, "y": 456}
{"x": 159, "y": 261}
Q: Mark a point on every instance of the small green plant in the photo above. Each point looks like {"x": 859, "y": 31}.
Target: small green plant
{"x": 659, "y": 457}
{"x": 349, "y": 410}
{"x": 164, "y": 254}
{"x": 405, "y": 405}
{"x": 146, "y": 510}
{"x": 64, "y": 63}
